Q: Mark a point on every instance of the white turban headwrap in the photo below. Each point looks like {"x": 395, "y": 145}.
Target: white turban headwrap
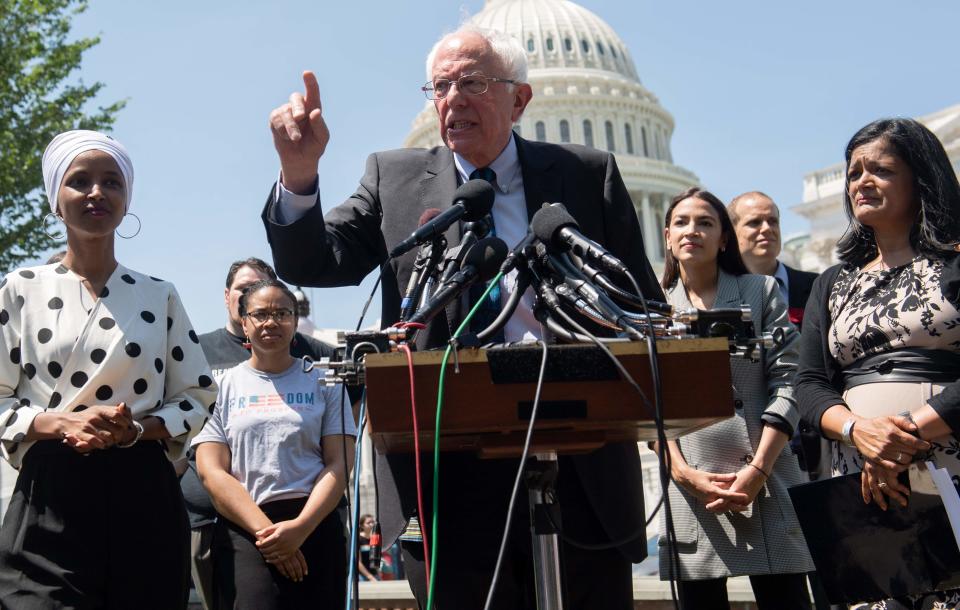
{"x": 67, "y": 146}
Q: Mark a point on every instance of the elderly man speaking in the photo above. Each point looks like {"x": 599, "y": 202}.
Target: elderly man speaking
{"x": 477, "y": 81}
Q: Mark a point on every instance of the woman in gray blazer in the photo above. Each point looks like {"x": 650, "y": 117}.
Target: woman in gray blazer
{"x": 732, "y": 514}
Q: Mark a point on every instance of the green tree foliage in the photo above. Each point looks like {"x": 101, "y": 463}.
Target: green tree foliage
{"x": 38, "y": 99}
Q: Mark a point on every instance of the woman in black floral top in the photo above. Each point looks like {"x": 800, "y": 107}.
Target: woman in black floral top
{"x": 880, "y": 349}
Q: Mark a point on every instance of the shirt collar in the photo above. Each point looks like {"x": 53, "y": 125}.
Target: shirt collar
{"x": 781, "y": 275}
{"x": 506, "y": 166}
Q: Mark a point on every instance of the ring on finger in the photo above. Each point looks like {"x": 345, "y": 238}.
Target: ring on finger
{"x": 899, "y": 458}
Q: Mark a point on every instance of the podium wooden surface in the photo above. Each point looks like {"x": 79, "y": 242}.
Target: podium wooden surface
{"x": 584, "y": 404}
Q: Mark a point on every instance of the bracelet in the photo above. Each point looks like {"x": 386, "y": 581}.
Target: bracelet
{"x": 139, "y": 428}
{"x": 846, "y": 433}
{"x": 762, "y": 471}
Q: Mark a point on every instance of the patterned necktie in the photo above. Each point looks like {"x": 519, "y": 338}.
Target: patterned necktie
{"x": 490, "y": 308}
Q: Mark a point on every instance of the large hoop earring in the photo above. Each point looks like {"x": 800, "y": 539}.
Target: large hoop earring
{"x": 137, "y": 232}
{"x": 47, "y": 226}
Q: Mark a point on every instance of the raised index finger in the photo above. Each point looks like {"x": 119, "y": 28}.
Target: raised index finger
{"x": 311, "y": 89}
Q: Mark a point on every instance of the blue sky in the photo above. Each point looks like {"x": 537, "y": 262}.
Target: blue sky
{"x": 762, "y": 93}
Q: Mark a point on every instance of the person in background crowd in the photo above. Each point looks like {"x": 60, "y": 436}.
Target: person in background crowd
{"x": 880, "y": 352}
{"x": 731, "y": 510}
{"x": 275, "y": 459}
{"x": 756, "y": 220}
{"x": 101, "y": 381}
{"x": 224, "y": 349}
{"x": 363, "y": 540}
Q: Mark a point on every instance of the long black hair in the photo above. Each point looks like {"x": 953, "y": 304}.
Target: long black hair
{"x": 728, "y": 258}
{"x": 936, "y": 230}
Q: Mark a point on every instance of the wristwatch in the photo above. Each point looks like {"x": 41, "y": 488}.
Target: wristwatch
{"x": 846, "y": 433}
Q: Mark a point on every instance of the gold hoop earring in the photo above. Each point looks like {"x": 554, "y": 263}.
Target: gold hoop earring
{"x": 137, "y": 232}
{"x": 47, "y": 226}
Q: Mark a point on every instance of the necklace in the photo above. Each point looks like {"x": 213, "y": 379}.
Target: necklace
{"x": 83, "y": 292}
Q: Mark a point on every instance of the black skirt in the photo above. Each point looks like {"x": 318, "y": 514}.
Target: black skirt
{"x": 106, "y": 530}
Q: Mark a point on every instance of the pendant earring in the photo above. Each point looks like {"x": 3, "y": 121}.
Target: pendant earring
{"x": 47, "y": 226}
{"x": 137, "y": 232}
{"x": 246, "y": 343}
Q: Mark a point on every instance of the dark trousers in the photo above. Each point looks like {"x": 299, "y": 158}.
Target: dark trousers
{"x": 100, "y": 531}
{"x": 772, "y": 592}
{"x": 243, "y": 580}
{"x": 591, "y": 579}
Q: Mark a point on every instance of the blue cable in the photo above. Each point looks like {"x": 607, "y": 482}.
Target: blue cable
{"x": 351, "y": 602}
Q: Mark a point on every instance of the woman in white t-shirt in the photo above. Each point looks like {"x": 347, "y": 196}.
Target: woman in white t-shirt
{"x": 274, "y": 458}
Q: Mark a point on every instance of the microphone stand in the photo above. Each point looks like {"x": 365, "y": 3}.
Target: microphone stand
{"x": 423, "y": 275}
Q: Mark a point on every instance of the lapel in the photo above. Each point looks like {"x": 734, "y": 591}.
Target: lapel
{"x": 542, "y": 182}
{"x": 728, "y": 291}
{"x": 437, "y": 187}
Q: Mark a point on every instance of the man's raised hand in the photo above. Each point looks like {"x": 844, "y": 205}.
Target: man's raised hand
{"x": 300, "y": 136}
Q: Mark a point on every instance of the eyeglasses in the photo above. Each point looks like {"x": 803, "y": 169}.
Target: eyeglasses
{"x": 472, "y": 84}
{"x": 279, "y": 315}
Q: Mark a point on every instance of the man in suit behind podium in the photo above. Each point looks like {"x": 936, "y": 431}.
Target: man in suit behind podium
{"x": 477, "y": 80}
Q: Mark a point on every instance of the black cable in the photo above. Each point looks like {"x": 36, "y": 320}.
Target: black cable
{"x": 604, "y": 546}
{"x": 343, "y": 390}
{"x": 657, "y": 411}
{"x": 519, "y": 477}
{"x": 521, "y": 285}
{"x": 664, "y": 453}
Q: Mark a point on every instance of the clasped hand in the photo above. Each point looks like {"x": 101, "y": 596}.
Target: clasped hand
{"x": 97, "y": 427}
{"x": 722, "y": 492}
{"x": 888, "y": 445}
{"x": 280, "y": 544}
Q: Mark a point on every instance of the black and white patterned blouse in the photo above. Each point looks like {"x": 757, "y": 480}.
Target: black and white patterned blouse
{"x": 62, "y": 350}
{"x": 875, "y": 312}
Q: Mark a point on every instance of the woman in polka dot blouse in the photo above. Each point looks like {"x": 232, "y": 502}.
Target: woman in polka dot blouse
{"x": 102, "y": 383}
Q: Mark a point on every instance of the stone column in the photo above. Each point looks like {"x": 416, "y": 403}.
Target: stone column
{"x": 650, "y": 228}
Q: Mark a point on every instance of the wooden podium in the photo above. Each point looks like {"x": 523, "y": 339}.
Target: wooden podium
{"x": 584, "y": 402}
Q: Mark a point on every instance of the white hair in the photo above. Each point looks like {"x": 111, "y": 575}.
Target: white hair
{"x": 505, "y": 47}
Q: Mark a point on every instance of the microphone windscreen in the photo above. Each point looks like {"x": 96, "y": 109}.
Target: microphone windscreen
{"x": 486, "y": 256}
{"x": 549, "y": 219}
{"x": 477, "y": 198}
{"x": 428, "y": 215}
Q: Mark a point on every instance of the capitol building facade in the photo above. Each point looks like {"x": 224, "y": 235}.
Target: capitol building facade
{"x": 586, "y": 91}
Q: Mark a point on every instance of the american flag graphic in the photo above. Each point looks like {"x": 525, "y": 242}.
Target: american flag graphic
{"x": 265, "y": 400}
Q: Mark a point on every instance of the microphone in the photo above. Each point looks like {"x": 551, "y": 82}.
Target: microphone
{"x": 481, "y": 262}
{"x": 425, "y": 256}
{"x": 472, "y": 201}
{"x": 556, "y": 227}
{"x": 518, "y": 254}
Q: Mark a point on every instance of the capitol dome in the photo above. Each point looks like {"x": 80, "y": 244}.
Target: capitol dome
{"x": 586, "y": 91}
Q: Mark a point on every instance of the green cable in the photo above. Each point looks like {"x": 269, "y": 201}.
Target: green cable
{"x": 436, "y": 439}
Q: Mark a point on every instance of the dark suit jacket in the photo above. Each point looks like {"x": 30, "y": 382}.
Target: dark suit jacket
{"x": 799, "y": 285}
{"x": 354, "y": 238}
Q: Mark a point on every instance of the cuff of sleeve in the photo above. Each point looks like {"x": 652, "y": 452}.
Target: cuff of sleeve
{"x": 784, "y": 408}
{"x": 290, "y": 206}
{"x": 183, "y": 421}
{"x": 777, "y": 423}
{"x": 15, "y": 423}
{"x": 947, "y": 412}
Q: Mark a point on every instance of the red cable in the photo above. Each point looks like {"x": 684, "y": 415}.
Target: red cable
{"x": 416, "y": 447}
